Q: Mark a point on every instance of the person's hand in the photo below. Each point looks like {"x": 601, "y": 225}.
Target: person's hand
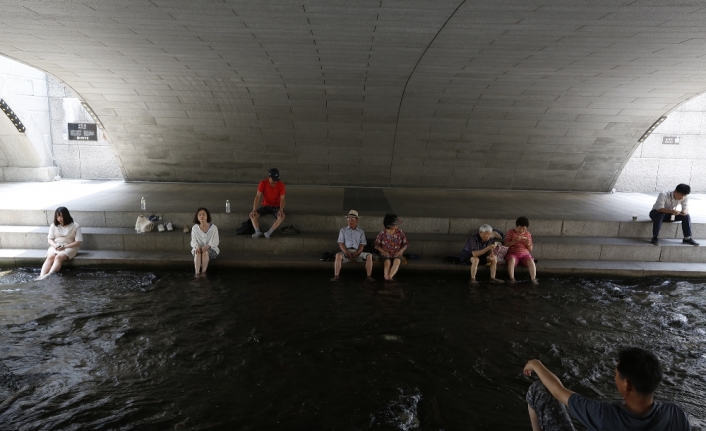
{"x": 280, "y": 214}
{"x": 349, "y": 254}
{"x": 492, "y": 246}
{"x": 252, "y": 213}
{"x": 529, "y": 367}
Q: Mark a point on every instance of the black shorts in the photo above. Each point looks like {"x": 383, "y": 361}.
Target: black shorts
{"x": 482, "y": 259}
{"x": 268, "y": 210}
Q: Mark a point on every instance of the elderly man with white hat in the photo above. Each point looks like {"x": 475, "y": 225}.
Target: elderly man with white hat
{"x": 351, "y": 241}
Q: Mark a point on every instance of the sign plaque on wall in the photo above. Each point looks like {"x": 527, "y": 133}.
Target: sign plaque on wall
{"x": 670, "y": 140}
{"x": 83, "y": 132}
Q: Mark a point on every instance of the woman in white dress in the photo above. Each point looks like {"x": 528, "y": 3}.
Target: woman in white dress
{"x": 204, "y": 240}
{"x": 64, "y": 238}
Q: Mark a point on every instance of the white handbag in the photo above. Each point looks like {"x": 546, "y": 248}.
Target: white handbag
{"x": 143, "y": 224}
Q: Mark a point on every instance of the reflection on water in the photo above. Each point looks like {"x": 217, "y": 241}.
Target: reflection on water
{"x": 290, "y": 350}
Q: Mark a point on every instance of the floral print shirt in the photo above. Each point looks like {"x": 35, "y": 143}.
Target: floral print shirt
{"x": 391, "y": 243}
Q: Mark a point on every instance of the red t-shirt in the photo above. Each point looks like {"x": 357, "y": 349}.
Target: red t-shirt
{"x": 519, "y": 247}
{"x": 271, "y": 195}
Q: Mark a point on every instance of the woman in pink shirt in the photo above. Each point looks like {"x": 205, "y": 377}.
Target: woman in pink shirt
{"x": 519, "y": 241}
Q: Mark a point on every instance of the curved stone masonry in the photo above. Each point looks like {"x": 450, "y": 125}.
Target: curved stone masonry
{"x": 497, "y": 95}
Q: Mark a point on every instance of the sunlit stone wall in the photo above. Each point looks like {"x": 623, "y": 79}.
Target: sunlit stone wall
{"x": 25, "y": 156}
{"x": 675, "y": 153}
{"x": 77, "y": 159}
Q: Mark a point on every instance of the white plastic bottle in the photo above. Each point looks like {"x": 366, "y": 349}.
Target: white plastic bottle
{"x": 143, "y": 203}
{"x": 228, "y": 207}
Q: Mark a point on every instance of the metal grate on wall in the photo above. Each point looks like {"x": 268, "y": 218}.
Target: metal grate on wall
{"x": 11, "y": 115}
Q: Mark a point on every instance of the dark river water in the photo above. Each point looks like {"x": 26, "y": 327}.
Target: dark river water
{"x": 287, "y": 350}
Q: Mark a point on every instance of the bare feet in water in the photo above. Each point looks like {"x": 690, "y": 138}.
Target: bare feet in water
{"x": 42, "y": 277}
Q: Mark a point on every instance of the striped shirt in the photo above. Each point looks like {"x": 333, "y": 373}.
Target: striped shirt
{"x": 519, "y": 247}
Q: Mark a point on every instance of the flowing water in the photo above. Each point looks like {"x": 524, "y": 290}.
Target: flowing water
{"x": 281, "y": 350}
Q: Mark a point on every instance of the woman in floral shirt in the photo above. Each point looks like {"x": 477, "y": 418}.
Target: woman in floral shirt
{"x": 391, "y": 243}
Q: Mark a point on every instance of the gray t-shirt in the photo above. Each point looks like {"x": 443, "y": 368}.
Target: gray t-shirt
{"x": 602, "y": 415}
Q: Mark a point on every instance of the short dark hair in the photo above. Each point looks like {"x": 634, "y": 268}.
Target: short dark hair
{"x": 64, "y": 214}
{"x": 684, "y": 189}
{"x": 522, "y": 221}
{"x": 641, "y": 367}
{"x": 196, "y": 216}
{"x": 388, "y": 220}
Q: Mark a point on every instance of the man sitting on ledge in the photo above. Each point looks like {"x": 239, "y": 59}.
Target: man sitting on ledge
{"x": 272, "y": 192}
{"x": 479, "y": 250}
{"x": 637, "y": 375}
{"x": 665, "y": 208}
{"x": 351, "y": 241}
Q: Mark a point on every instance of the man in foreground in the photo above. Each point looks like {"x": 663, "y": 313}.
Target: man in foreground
{"x": 666, "y": 207}
{"x": 272, "y": 192}
{"x": 351, "y": 241}
{"x": 637, "y": 376}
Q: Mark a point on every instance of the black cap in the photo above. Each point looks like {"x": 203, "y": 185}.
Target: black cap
{"x": 274, "y": 174}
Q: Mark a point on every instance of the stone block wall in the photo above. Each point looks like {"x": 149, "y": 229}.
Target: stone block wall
{"x": 45, "y": 107}
{"x": 24, "y": 89}
{"x": 657, "y": 166}
{"x": 77, "y": 159}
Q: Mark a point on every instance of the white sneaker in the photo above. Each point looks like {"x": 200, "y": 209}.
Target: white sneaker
{"x": 160, "y": 227}
{"x": 257, "y": 235}
{"x": 170, "y": 227}
{"x": 267, "y": 235}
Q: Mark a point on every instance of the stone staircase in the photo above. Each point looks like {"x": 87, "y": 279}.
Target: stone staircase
{"x": 561, "y": 246}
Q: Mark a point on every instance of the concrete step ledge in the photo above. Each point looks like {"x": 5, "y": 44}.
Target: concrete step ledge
{"x": 314, "y": 243}
{"x": 122, "y": 259}
{"x": 332, "y": 223}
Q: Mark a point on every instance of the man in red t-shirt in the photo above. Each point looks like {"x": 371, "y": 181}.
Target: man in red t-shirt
{"x": 272, "y": 191}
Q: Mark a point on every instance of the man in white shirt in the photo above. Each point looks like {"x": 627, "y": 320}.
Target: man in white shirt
{"x": 666, "y": 207}
{"x": 351, "y": 241}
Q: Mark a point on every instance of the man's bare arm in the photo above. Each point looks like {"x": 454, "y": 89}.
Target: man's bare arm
{"x": 550, "y": 381}
{"x": 255, "y": 204}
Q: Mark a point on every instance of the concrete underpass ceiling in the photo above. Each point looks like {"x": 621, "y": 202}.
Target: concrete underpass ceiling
{"x": 436, "y": 93}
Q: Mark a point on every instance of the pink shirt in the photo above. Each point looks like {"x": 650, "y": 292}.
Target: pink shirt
{"x": 519, "y": 248}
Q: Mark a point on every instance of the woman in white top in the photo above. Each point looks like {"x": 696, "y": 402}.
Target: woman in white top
{"x": 204, "y": 240}
{"x": 64, "y": 238}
